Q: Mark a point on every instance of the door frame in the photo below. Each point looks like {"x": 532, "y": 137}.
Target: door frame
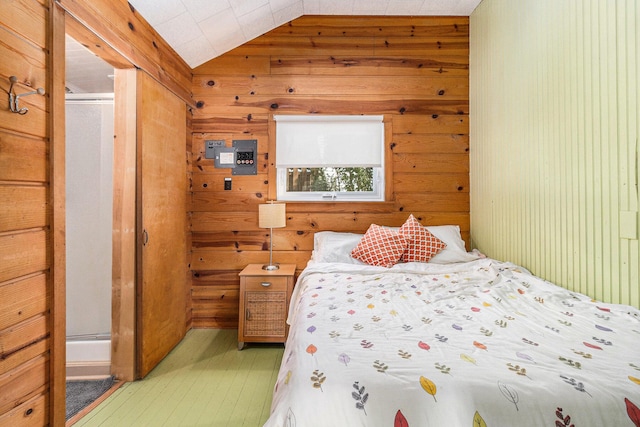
{"x": 123, "y": 308}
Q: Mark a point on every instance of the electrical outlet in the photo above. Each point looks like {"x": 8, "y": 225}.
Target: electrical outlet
{"x": 227, "y": 183}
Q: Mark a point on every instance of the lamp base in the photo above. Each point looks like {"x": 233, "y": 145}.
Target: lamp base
{"x": 271, "y": 267}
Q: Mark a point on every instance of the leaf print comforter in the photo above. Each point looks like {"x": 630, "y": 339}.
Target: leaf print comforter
{"x": 483, "y": 343}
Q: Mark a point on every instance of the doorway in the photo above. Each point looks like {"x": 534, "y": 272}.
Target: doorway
{"x": 93, "y": 68}
{"x": 89, "y": 202}
{"x": 89, "y": 205}
{"x": 89, "y": 133}
{"x": 149, "y": 129}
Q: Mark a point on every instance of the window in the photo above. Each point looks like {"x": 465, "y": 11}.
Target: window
{"x": 330, "y": 158}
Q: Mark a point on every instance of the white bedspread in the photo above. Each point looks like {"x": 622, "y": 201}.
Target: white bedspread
{"x": 482, "y": 343}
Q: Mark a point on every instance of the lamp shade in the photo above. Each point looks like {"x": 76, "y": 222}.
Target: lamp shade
{"x": 272, "y": 215}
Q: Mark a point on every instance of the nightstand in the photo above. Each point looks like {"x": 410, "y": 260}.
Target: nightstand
{"x": 264, "y": 303}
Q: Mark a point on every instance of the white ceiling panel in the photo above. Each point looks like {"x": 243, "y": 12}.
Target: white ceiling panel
{"x": 159, "y": 11}
{"x": 287, "y": 13}
{"x": 203, "y": 9}
{"x": 277, "y": 5}
{"x": 404, "y": 7}
{"x": 222, "y": 29}
{"x": 180, "y": 29}
{"x": 242, "y": 7}
{"x": 370, "y": 7}
{"x": 201, "y": 50}
{"x": 256, "y": 22}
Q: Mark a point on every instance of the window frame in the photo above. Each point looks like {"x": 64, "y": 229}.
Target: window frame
{"x": 376, "y": 195}
{"x": 379, "y": 192}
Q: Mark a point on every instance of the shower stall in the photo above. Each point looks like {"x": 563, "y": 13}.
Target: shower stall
{"x": 89, "y": 224}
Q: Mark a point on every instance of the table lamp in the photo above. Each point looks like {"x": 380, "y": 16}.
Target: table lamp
{"x": 271, "y": 215}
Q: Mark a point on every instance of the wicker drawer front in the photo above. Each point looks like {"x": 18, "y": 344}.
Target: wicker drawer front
{"x": 265, "y": 313}
{"x": 259, "y": 283}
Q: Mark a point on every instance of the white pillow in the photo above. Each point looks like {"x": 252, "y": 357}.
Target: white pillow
{"x": 331, "y": 246}
{"x": 455, "y": 250}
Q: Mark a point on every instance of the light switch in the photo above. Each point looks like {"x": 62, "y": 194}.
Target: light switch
{"x": 227, "y": 183}
{"x": 629, "y": 225}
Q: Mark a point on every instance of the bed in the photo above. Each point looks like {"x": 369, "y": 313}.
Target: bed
{"x": 460, "y": 340}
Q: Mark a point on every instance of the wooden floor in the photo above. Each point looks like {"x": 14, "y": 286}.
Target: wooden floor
{"x": 204, "y": 381}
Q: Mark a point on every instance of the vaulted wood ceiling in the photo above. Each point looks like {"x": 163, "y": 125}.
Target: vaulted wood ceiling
{"x": 199, "y": 30}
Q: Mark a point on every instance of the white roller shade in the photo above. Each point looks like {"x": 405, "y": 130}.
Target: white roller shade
{"x": 317, "y": 141}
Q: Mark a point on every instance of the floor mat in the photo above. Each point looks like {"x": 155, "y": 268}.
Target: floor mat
{"x": 81, "y": 393}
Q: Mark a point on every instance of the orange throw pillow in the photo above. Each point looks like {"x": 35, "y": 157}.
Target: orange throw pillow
{"x": 380, "y": 246}
{"x": 422, "y": 245}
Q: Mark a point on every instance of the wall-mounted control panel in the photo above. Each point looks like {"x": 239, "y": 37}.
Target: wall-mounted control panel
{"x": 240, "y": 157}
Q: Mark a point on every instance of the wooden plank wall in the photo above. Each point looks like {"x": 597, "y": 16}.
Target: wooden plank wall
{"x": 32, "y": 330}
{"x": 25, "y": 232}
{"x": 414, "y": 71}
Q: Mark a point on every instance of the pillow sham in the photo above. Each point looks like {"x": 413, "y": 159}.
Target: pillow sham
{"x": 333, "y": 246}
{"x": 455, "y": 250}
{"x": 422, "y": 245}
{"x": 380, "y": 246}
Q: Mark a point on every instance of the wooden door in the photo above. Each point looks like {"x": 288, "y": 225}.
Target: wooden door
{"x": 161, "y": 296}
